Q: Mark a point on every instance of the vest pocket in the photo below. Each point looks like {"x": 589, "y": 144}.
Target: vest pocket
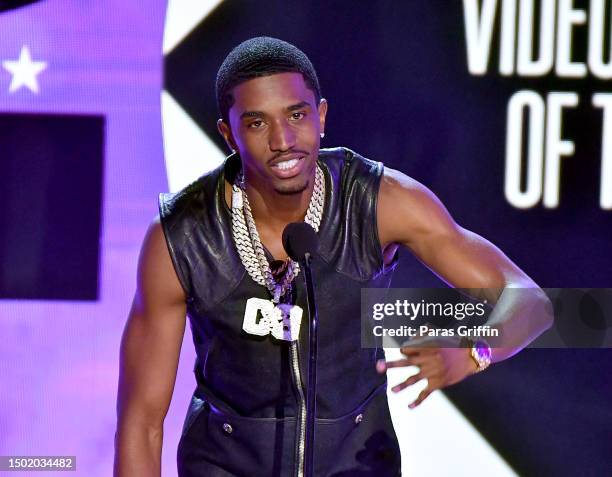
{"x": 362, "y": 442}
{"x": 240, "y": 445}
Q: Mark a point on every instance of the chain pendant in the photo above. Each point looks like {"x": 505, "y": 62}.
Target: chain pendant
{"x": 282, "y": 321}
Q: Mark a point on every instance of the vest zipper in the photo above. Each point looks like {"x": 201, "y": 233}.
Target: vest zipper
{"x": 301, "y": 421}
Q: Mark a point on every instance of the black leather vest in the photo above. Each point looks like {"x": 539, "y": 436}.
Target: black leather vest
{"x": 243, "y": 416}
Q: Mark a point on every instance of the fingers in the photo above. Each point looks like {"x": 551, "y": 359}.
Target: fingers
{"x": 416, "y": 350}
{"x": 382, "y": 365}
{"x": 422, "y": 396}
{"x": 399, "y": 363}
{"x": 409, "y": 382}
{"x": 411, "y": 350}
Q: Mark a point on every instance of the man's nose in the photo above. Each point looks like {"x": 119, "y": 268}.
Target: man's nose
{"x": 282, "y": 137}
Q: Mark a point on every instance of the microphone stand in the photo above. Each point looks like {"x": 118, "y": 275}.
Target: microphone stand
{"x": 311, "y": 404}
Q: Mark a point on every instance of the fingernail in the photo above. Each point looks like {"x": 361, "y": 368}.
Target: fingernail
{"x": 380, "y": 366}
{"x": 395, "y": 389}
{"x": 412, "y": 406}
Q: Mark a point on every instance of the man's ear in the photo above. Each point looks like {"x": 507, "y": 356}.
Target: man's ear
{"x": 322, "y": 114}
{"x": 226, "y": 133}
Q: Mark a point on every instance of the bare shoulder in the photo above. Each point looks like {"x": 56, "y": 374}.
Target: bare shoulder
{"x": 408, "y": 211}
{"x": 157, "y": 279}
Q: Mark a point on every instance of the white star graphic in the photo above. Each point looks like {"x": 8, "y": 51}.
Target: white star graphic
{"x": 24, "y": 71}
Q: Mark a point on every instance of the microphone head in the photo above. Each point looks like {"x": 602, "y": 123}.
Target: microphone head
{"x": 299, "y": 238}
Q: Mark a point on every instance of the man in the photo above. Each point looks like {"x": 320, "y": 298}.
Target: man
{"x": 216, "y": 254}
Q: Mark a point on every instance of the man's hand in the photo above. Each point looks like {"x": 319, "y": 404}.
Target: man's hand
{"x": 441, "y": 366}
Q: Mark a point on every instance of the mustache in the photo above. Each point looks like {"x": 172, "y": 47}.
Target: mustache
{"x": 291, "y": 152}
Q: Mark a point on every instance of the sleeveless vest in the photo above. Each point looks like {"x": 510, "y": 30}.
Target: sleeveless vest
{"x": 244, "y": 416}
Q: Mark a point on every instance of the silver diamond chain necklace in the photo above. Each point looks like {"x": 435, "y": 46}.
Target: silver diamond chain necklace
{"x": 249, "y": 244}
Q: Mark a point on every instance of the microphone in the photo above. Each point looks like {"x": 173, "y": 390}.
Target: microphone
{"x": 300, "y": 242}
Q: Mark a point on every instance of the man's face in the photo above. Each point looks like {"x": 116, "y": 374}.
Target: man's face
{"x": 275, "y": 125}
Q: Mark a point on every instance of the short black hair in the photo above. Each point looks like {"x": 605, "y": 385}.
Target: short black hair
{"x": 257, "y": 57}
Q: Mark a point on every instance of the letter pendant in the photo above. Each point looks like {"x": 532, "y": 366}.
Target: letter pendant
{"x": 282, "y": 321}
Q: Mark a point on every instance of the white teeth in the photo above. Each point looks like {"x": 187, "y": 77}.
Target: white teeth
{"x": 286, "y": 164}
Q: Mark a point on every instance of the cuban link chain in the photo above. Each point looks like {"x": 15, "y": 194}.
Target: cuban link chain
{"x": 248, "y": 243}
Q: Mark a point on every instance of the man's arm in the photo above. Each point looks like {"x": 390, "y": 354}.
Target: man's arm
{"x": 149, "y": 356}
{"x": 409, "y": 214}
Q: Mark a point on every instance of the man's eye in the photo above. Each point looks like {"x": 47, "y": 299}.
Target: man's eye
{"x": 296, "y": 116}
{"x": 256, "y": 124}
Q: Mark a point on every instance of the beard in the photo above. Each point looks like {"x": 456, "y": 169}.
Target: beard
{"x": 296, "y": 188}
{"x": 292, "y": 189}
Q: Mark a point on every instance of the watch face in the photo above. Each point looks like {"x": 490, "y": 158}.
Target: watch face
{"x": 483, "y": 350}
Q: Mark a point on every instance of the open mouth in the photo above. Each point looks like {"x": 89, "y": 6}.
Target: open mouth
{"x": 286, "y": 165}
{"x": 288, "y": 168}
